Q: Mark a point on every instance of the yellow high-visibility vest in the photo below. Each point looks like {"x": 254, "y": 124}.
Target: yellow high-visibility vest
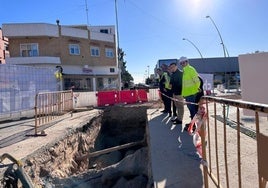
{"x": 58, "y": 75}
{"x": 167, "y": 80}
{"x": 190, "y": 81}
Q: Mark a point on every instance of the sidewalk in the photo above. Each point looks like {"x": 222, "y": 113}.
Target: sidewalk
{"x": 14, "y": 141}
{"x": 174, "y": 162}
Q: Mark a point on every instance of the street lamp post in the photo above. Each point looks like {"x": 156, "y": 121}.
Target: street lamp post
{"x": 194, "y": 46}
{"x": 223, "y": 46}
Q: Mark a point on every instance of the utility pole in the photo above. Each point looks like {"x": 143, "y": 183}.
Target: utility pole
{"x": 87, "y": 13}
{"x": 118, "y": 48}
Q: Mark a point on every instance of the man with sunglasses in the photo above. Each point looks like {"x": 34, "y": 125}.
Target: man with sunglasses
{"x": 190, "y": 86}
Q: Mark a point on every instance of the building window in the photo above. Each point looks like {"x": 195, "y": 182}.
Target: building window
{"x": 109, "y": 52}
{"x": 110, "y": 83}
{"x": 112, "y": 70}
{"x": 78, "y": 83}
{"x": 104, "y": 31}
{"x": 74, "y": 49}
{"x": 29, "y": 50}
{"x": 100, "y": 84}
{"x": 94, "y": 51}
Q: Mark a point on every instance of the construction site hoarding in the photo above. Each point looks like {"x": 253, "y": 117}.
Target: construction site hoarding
{"x": 19, "y": 85}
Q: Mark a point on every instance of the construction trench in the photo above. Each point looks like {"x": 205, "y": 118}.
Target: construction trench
{"x": 112, "y": 150}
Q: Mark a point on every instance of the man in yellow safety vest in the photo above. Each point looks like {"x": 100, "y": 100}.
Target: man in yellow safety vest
{"x": 165, "y": 90}
{"x": 190, "y": 86}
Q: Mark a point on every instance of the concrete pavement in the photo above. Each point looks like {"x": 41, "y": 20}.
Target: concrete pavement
{"x": 174, "y": 159}
{"x": 13, "y": 139}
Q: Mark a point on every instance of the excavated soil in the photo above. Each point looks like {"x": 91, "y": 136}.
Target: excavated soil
{"x": 67, "y": 162}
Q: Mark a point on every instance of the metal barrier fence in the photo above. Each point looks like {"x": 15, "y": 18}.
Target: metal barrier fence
{"x": 52, "y": 105}
{"x": 235, "y": 147}
{"x": 80, "y": 100}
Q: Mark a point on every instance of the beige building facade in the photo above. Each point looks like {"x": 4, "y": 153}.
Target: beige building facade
{"x": 86, "y": 55}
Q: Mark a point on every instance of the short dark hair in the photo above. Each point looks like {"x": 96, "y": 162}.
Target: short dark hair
{"x": 173, "y": 63}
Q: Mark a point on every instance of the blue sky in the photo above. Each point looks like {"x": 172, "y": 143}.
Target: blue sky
{"x": 150, "y": 30}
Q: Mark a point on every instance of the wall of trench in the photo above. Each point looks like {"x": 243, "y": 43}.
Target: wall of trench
{"x": 66, "y": 163}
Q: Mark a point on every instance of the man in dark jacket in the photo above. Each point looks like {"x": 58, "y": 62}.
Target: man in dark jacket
{"x": 176, "y": 88}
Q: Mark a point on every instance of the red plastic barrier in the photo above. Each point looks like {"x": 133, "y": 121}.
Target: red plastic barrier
{"x": 208, "y": 92}
{"x": 106, "y": 98}
{"x": 127, "y": 96}
{"x": 141, "y": 95}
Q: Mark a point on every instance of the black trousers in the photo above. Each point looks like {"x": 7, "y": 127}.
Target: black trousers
{"x": 198, "y": 97}
{"x": 167, "y": 100}
{"x": 174, "y": 108}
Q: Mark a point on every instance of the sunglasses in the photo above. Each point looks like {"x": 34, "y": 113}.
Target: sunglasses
{"x": 183, "y": 62}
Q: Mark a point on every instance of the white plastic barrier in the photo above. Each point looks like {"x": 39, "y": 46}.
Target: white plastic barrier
{"x": 84, "y": 99}
{"x": 153, "y": 95}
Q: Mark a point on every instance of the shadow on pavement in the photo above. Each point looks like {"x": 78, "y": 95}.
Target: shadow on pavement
{"x": 174, "y": 159}
{"x": 23, "y": 134}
